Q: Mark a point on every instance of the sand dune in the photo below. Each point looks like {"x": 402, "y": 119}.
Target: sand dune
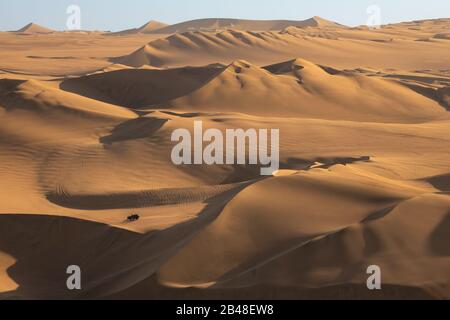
{"x": 362, "y": 225}
{"x": 35, "y": 96}
{"x": 295, "y": 88}
{"x": 347, "y": 195}
{"x": 149, "y": 86}
{"x": 307, "y": 90}
{"x": 344, "y": 48}
{"x": 242, "y": 24}
{"x": 364, "y": 162}
{"x": 34, "y": 28}
{"x": 149, "y": 27}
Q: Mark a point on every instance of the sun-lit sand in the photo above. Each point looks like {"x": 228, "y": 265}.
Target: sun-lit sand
{"x": 85, "y": 141}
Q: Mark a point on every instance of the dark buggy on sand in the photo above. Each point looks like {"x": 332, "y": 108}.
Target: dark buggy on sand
{"x": 133, "y": 217}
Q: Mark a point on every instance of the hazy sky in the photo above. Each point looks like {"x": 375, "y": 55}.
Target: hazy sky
{"x": 122, "y": 14}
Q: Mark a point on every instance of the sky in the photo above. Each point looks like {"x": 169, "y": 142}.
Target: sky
{"x": 115, "y": 15}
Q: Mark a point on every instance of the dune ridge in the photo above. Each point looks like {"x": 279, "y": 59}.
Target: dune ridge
{"x": 285, "y": 89}
{"x": 150, "y": 27}
{"x": 243, "y": 24}
{"x": 364, "y": 177}
{"x": 342, "y": 47}
{"x": 34, "y": 28}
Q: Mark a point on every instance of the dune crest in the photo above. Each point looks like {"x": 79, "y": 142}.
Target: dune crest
{"x": 88, "y": 178}
{"x": 34, "y": 28}
{"x": 243, "y": 24}
{"x": 150, "y": 27}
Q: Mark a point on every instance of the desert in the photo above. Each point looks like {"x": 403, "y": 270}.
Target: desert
{"x": 363, "y": 176}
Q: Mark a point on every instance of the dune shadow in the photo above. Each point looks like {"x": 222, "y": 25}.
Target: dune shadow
{"x": 423, "y": 79}
{"x": 151, "y": 290}
{"x": 379, "y": 214}
{"x": 139, "y": 128}
{"x": 440, "y": 238}
{"x": 242, "y": 173}
{"x": 44, "y": 246}
{"x": 139, "y": 88}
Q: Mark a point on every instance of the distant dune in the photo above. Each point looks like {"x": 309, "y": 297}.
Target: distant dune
{"x": 242, "y": 24}
{"x": 34, "y": 28}
{"x": 149, "y": 27}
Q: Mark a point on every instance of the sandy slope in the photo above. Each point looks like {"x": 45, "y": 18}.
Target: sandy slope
{"x": 34, "y": 28}
{"x": 63, "y": 53}
{"x": 343, "y": 48}
{"x": 150, "y": 27}
{"x": 293, "y": 88}
{"x": 364, "y": 152}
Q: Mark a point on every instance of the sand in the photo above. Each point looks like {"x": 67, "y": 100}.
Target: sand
{"x": 150, "y": 27}
{"x": 34, "y": 28}
{"x": 85, "y": 126}
{"x": 245, "y": 24}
